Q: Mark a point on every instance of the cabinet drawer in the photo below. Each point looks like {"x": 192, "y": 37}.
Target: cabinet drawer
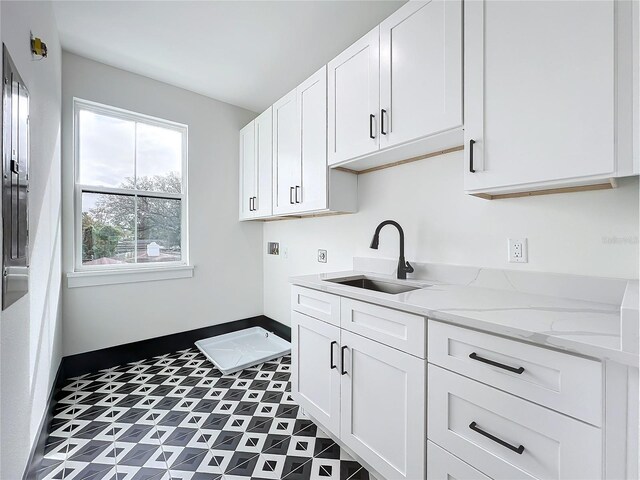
{"x": 320, "y": 305}
{"x": 441, "y": 465}
{"x": 562, "y": 382}
{"x": 484, "y": 427}
{"x": 400, "y": 330}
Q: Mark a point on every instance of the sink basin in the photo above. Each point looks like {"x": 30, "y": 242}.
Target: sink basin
{"x": 375, "y": 285}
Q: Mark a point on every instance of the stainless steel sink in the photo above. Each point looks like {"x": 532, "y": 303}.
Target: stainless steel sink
{"x": 375, "y": 285}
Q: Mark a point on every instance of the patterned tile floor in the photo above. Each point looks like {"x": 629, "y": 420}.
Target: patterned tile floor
{"x": 177, "y": 417}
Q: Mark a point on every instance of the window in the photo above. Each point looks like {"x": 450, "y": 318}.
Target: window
{"x": 130, "y": 192}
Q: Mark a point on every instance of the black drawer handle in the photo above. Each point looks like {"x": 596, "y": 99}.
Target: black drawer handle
{"x": 383, "y": 113}
{"x": 474, "y": 426}
{"x": 331, "y": 347}
{"x": 291, "y": 195}
{"x": 474, "y": 356}
{"x": 471, "y": 143}
{"x": 371, "y": 134}
{"x": 342, "y": 370}
{"x": 298, "y": 188}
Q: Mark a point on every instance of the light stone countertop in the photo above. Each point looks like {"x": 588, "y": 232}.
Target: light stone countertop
{"x": 574, "y": 325}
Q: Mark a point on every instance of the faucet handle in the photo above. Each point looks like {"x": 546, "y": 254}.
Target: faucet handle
{"x": 408, "y": 268}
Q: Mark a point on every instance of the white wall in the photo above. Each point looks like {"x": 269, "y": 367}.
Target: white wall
{"x": 589, "y": 233}
{"x": 30, "y": 330}
{"x": 227, "y": 283}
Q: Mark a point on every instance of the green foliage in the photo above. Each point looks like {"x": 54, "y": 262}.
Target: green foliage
{"x": 98, "y": 240}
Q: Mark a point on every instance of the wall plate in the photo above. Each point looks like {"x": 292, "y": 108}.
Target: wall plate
{"x": 322, "y": 256}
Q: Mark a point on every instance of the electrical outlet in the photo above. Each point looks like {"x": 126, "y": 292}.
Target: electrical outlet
{"x": 517, "y": 249}
{"x": 322, "y": 256}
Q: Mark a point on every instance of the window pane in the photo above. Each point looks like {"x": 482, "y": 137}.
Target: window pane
{"x": 107, "y": 229}
{"x": 159, "y": 159}
{"x": 106, "y": 150}
{"x": 159, "y": 222}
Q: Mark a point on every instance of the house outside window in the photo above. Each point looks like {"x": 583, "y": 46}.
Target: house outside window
{"x": 130, "y": 189}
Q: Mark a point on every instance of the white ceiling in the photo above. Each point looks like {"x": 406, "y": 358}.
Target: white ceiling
{"x": 245, "y": 53}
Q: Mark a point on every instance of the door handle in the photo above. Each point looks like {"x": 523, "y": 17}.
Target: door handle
{"x": 342, "y": 370}
{"x": 291, "y": 195}
{"x": 332, "y": 365}
{"x": 474, "y": 426}
{"x": 471, "y": 143}
{"x": 298, "y": 189}
{"x": 383, "y": 113}
{"x": 474, "y": 356}
{"x": 371, "y": 134}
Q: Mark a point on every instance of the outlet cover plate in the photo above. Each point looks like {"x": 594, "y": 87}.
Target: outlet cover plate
{"x": 517, "y": 250}
{"x": 322, "y": 256}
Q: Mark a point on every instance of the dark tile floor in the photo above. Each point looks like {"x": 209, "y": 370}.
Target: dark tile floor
{"x": 178, "y": 417}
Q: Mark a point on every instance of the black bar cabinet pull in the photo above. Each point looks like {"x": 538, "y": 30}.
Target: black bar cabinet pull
{"x": 250, "y": 203}
{"x": 331, "y": 362}
{"x": 254, "y": 204}
{"x": 471, "y": 143}
{"x": 342, "y": 370}
{"x": 474, "y": 356}
{"x": 383, "y": 113}
{"x": 298, "y": 188}
{"x": 474, "y": 426}
{"x": 291, "y": 195}
{"x": 371, "y": 134}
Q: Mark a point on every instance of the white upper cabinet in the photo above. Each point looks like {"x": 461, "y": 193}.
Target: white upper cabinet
{"x": 248, "y": 171}
{"x": 262, "y": 203}
{"x": 302, "y": 181}
{"x": 420, "y": 71}
{"x": 397, "y": 92}
{"x": 286, "y": 153}
{"x": 540, "y": 94}
{"x": 354, "y": 86}
{"x": 255, "y": 168}
{"x": 311, "y": 99}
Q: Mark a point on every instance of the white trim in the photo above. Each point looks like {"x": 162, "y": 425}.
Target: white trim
{"x": 131, "y": 275}
{"x": 80, "y": 104}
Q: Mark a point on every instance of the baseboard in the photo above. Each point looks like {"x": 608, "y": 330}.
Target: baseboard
{"x": 75, "y": 365}
{"x": 37, "y": 449}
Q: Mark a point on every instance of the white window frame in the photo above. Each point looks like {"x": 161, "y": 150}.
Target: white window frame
{"x": 79, "y": 268}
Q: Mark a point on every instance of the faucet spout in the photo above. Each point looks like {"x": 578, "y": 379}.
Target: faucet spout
{"x": 404, "y": 267}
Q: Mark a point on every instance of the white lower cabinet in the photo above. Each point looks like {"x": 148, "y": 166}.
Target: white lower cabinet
{"x": 441, "y": 465}
{"x": 484, "y": 407}
{"x": 316, "y": 378}
{"x": 383, "y": 407}
{"x": 368, "y": 395}
{"x": 506, "y": 437}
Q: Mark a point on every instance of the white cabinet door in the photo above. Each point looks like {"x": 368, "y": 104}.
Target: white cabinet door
{"x": 383, "y": 407}
{"x": 354, "y": 88}
{"x": 286, "y": 153}
{"x": 420, "y": 71}
{"x": 264, "y": 164}
{"x": 315, "y": 358}
{"x": 311, "y": 193}
{"x": 539, "y": 92}
{"x": 247, "y": 171}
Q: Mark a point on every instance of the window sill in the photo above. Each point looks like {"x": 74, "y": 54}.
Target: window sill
{"x": 113, "y": 277}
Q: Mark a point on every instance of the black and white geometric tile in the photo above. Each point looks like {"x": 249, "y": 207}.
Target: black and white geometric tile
{"x": 178, "y": 417}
